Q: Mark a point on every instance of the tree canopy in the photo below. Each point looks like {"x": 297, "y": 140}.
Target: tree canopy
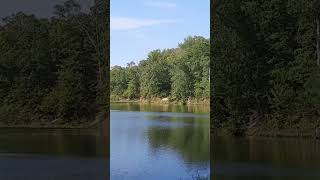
{"x": 180, "y": 73}
{"x": 54, "y": 68}
{"x": 264, "y": 62}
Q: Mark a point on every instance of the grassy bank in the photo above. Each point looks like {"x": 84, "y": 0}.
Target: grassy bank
{"x": 297, "y": 125}
{"x": 298, "y": 128}
{"x": 41, "y": 125}
{"x": 58, "y": 123}
{"x": 303, "y": 124}
{"x": 264, "y": 132}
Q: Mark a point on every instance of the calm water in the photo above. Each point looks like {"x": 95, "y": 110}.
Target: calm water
{"x": 41, "y": 154}
{"x": 158, "y": 142}
{"x": 265, "y": 158}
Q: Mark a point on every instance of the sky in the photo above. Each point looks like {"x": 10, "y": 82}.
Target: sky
{"x": 41, "y": 8}
{"x": 140, "y": 26}
{"x": 137, "y": 26}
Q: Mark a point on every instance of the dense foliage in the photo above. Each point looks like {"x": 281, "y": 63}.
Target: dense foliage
{"x": 181, "y": 74}
{"x": 54, "y": 68}
{"x": 265, "y": 66}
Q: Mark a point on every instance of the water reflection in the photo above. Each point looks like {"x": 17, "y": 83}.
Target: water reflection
{"x": 191, "y": 143}
{"x": 146, "y": 107}
{"x": 171, "y": 142}
{"x": 265, "y": 158}
{"x": 62, "y": 154}
{"x": 53, "y": 142}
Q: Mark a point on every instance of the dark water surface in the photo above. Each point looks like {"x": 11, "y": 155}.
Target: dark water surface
{"x": 158, "y": 142}
{"x": 41, "y": 154}
{"x": 265, "y": 158}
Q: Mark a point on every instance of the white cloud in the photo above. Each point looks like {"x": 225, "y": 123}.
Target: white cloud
{"x": 158, "y": 4}
{"x": 126, "y": 23}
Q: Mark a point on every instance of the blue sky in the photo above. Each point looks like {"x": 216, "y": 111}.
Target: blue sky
{"x": 139, "y": 26}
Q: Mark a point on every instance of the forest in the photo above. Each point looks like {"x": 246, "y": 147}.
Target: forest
{"x": 56, "y": 68}
{"x": 179, "y": 74}
{"x": 265, "y": 65}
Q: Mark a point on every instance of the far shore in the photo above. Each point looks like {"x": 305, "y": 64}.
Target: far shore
{"x": 162, "y": 101}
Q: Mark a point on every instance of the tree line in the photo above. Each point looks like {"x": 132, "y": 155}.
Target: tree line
{"x": 180, "y": 74}
{"x": 265, "y": 64}
{"x": 54, "y": 68}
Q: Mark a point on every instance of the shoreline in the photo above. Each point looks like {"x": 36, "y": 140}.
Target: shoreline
{"x": 274, "y": 134}
{"x": 283, "y": 133}
{"x": 293, "y": 126}
{"x": 162, "y": 102}
{"x": 269, "y": 133}
{"x": 46, "y": 127}
{"x": 84, "y": 125}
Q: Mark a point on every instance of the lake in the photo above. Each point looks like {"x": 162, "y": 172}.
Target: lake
{"x": 259, "y": 158}
{"x": 159, "y": 142}
{"x": 55, "y": 154}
